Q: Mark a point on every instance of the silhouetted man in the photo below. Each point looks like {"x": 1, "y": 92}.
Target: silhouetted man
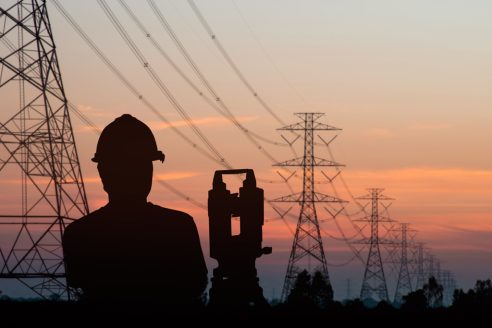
{"x": 131, "y": 249}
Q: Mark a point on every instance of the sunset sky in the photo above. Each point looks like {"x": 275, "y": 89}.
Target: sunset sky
{"x": 407, "y": 81}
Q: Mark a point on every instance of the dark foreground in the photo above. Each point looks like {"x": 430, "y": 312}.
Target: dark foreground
{"x": 141, "y": 314}
{"x": 304, "y": 306}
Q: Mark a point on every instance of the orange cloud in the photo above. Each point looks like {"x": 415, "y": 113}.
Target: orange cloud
{"x": 177, "y": 175}
{"x": 92, "y": 179}
{"x": 159, "y": 125}
{"x": 96, "y": 112}
{"x": 39, "y": 180}
{"x": 415, "y": 171}
{"x": 425, "y": 179}
{"x": 212, "y": 120}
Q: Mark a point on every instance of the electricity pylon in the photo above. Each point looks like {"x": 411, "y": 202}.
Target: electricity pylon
{"x": 421, "y": 277}
{"x": 307, "y": 248}
{"x": 404, "y": 283}
{"x": 449, "y": 286}
{"x": 431, "y": 272}
{"x": 374, "y": 281}
{"x": 37, "y": 152}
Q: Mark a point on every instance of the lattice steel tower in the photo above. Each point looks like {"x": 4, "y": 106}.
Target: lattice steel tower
{"x": 374, "y": 281}
{"x": 449, "y": 285}
{"x": 404, "y": 283}
{"x": 430, "y": 267}
{"x": 421, "y": 278}
{"x": 307, "y": 248}
{"x": 37, "y": 152}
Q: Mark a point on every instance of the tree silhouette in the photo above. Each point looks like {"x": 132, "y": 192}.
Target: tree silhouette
{"x": 483, "y": 290}
{"x": 415, "y": 301}
{"x": 300, "y": 294}
{"x": 478, "y": 298}
{"x": 321, "y": 291}
{"x": 310, "y": 292}
{"x": 433, "y": 292}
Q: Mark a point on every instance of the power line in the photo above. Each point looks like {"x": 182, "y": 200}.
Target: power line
{"x": 135, "y": 91}
{"x": 113, "y": 68}
{"x": 110, "y": 65}
{"x": 71, "y": 21}
{"x": 268, "y": 56}
{"x": 224, "y": 110}
{"x": 158, "y": 82}
{"x": 237, "y": 71}
{"x": 139, "y": 56}
{"x": 227, "y": 113}
{"x": 221, "y": 108}
{"x": 197, "y": 70}
{"x": 231, "y": 62}
{"x": 181, "y": 194}
{"x": 345, "y": 185}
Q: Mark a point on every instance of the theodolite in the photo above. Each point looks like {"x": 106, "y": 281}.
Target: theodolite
{"x": 235, "y": 282}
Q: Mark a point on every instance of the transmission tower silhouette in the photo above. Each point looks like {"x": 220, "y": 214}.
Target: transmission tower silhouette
{"x": 374, "y": 281}
{"x": 421, "y": 277}
{"x": 438, "y": 271}
{"x": 449, "y": 285}
{"x": 430, "y": 267}
{"x": 37, "y": 147}
{"x": 307, "y": 248}
{"x": 404, "y": 282}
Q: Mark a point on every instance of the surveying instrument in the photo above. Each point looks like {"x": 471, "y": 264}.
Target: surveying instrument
{"x": 235, "y": 283}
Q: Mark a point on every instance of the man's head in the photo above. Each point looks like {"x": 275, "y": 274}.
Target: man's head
{"x": 125, "y": 152}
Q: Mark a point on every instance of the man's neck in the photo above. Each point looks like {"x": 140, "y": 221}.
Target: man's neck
{"x": 127, "y": 202}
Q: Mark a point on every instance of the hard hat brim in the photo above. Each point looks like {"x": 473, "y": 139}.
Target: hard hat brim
{"x": 157, "y": 156}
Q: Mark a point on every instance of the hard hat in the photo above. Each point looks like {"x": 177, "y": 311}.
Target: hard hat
{"x": 127, "y": 138}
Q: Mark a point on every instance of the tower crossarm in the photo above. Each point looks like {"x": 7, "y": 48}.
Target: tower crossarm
{"x": 316, "y": 161}
{"x": 367, "y": 241}
{"x": 317, "y": 197}
{"x": 317, "y": 126}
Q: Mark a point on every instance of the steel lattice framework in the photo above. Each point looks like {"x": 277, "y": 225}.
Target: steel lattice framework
{"x": 449, "y": 285}
{"x": 430, "y": 272}
{"x": 307, "y": 246}
{"x": 421, "y": 279}
{"x": 404, "y": 283}
{"x": 374, "y": 281}
{"x": 36, "y": 145}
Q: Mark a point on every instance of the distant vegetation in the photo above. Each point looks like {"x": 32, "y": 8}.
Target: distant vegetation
{"x": 316, "y": 295}
{"x": 310, "y": 295}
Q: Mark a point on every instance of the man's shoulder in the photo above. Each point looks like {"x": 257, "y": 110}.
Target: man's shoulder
{"x": 84, "y": 221}
{"x": 171, "y": 214}
{"x": 152, "y": 214}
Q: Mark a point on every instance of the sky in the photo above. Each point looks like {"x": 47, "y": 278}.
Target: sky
{"x": 406, "y": 81}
